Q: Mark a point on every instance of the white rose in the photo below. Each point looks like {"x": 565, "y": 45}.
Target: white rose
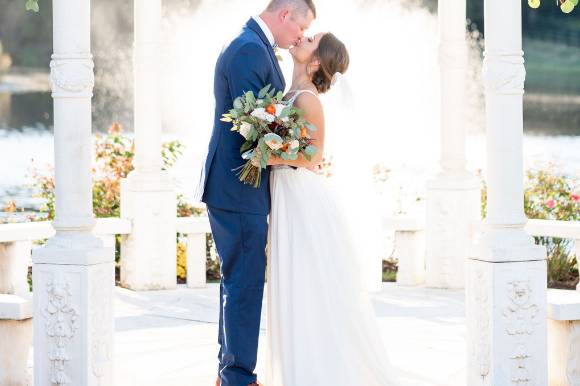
{"x": 294, "y": 145}
{"x": 285, "y": 119}
{"x": 245, "y": 129}
{"x": 259, "y": 113}
{"x": 279, "y": 108}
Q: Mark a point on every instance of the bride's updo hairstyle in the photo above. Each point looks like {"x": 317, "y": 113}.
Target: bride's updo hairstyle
{"x": 333, "y": 57}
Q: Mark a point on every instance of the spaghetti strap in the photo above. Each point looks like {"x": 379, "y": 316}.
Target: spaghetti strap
{"x": 298, "y": 92}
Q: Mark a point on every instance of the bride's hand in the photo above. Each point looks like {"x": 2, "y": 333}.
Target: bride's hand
{"x": 273, "y": 160}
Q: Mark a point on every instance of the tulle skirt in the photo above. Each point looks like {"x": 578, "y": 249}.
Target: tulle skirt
{"x": 322, "y": 329}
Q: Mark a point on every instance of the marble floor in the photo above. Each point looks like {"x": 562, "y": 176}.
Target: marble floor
{"x": 168, "y": 338}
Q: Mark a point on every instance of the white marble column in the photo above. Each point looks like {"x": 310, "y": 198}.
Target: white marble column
{"x": 148, "y": 199}
{"x": 506, "y": 276}
{"x": 73, "y": 274}
{"x": 453, "y": 196}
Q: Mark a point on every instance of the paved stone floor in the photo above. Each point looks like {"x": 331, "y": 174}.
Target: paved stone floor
{"x": 168, "y": 338}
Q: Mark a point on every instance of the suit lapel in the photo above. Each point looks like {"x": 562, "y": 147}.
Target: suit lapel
{"x": 251, "y": 24}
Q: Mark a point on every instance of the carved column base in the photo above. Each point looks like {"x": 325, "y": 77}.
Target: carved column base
{"x": 453, "y": 207}
{"x": 506, "y": 323}
{"x": 148, "y": 254}
{"x": 73, "y": 316}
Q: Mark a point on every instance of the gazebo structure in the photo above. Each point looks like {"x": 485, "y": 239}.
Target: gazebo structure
{"x": 504, "y": 272}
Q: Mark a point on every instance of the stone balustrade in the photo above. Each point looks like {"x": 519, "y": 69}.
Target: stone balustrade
{"x": 409, "y": 250}
{"x": 195, "y": 228}
{"x": 15, "y": 308}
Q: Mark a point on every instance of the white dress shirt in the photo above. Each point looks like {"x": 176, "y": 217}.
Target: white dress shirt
{"x": 265, "y": 29}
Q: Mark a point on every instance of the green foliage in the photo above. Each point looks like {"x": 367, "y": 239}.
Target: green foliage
{"x": 32, "y": 5}
{"x": 550, "y": 196}
{"x": 114, "y": 155}
{"x": 566, "y": 6}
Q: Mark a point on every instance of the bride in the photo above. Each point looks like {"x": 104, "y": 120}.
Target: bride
{"x": 321, "y": 326}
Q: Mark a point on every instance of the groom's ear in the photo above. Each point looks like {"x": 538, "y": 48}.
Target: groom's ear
{"x": 283, "y": 14}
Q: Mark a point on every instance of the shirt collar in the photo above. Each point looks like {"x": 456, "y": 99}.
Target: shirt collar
{"x": 266, "y": 30}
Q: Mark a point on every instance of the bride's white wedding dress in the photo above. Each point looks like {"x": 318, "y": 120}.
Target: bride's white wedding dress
{"x": 322, "y": 329}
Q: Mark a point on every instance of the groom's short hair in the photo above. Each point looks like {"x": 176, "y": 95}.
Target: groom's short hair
{"x": 301, "y": 6}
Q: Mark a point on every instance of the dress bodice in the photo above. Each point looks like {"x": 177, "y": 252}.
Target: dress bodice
{"x": 297, "y": 93}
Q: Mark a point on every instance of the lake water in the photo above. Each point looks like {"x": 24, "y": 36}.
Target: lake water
{"x": 26, "y": 142}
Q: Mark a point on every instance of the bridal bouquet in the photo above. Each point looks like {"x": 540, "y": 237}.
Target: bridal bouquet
{"x": 270, "y": 126}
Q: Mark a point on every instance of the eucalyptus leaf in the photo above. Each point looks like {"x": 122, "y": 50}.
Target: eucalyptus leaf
{"x": 264, "y": 91}
{"x": 311, "y": 127}
{"x": 262, "y": 145}
{"x": 238, "y": 103}
{"x": 310, "y": 150}
{"x": 246, "y": 146}
{"x": 286, "y": 112}
{"x": 250, "y": 97}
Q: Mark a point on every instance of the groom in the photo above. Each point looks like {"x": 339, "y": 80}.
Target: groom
{"x": 238, "y": 212}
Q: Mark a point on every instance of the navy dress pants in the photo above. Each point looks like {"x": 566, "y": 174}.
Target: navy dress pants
{"x": 240, "y": 239}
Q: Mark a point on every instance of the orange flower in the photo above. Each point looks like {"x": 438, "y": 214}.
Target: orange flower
{"x": 285, "y": 147}
{"x": 303, "y": 132}
{"x": 271, "y": 109}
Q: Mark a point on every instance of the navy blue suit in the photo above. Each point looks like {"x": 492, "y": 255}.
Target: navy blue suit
{"x": 238, "y": 212}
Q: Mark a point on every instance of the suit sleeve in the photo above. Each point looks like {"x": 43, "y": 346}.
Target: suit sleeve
{"x": 248, "y": 69}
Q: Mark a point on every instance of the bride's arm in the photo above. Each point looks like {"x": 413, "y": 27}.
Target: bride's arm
{"x": 314, "y": 114}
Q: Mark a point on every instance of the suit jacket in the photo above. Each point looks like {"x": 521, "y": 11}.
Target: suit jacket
{"x": 247, "y": 63}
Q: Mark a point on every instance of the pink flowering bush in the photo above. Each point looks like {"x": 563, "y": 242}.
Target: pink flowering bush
{"x": 552, "y": 196}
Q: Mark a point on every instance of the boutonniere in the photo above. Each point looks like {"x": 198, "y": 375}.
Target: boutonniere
{"x": 277, "y": 53}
